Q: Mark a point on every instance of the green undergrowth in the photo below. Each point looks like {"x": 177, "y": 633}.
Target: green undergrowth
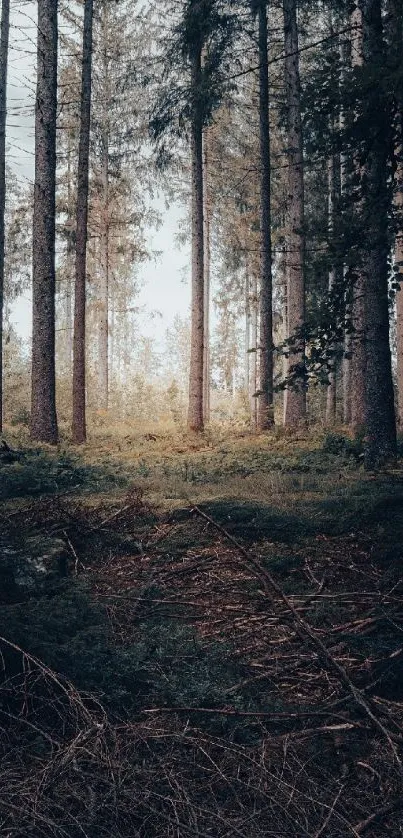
{"x": 263, "y": 491}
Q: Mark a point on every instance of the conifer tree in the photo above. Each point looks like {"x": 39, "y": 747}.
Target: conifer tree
{"x": 5, "y": 28}
{"x": 295, "y": 397}
{"x": 79, "y": 424}
{"x": 43, "y": 399}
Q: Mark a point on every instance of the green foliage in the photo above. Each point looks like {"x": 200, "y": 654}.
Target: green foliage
{"x": 38, "y": 472}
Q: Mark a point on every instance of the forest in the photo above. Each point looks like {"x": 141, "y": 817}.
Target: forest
{"x": 201, "y": 475}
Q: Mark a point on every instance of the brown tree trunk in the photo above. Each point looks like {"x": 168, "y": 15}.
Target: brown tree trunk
{"x": 380, "y": 419}
{"x": 331, "y": 394}
{"x": 103, "y": 324}
{"x": 5, "y": 30}
{"x": 265, "y": 417}
{"x": 395, "y": 27}
{"x": 79, "y": 424}
{"x": 294, "y": 398}
{"x": 358, "y": 305}
{"x": 247, "y": 332}
{"x": 345, "y": 171}
{"x": 195, "y": 409}
{"x": 70, "y": 251}
{"x": 254, "y": 339}
{"x": 207, "y": 259}
{"x": 43, "y": 404}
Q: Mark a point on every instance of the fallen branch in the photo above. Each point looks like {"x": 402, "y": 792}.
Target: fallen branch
{"x": 304, "y": 629}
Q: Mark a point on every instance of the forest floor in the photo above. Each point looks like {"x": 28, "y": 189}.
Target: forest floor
{"x": 224, "y": 655}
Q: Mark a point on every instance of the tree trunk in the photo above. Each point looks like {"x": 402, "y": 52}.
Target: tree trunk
{"x": 103, "y": 333}
{"x": 207, "y": 260}
{"x": 254, "y": 337}
{"x": 247, "y": 332}
{"x": 5, "y": 30}
{"x": 381, "y": 425}
{"x": 395, "y": 15}
{"x": 345, "y": 172}
{"x": 265, "y": 405}
{"x": 195, "y": 410}
{"x": 43, "y": 405}
{"x": 79, "y": 424}
{"x": 358, "y": 304}
{"x": 331, "y": 394}
{"x": 295, "y": 398}
{"x": 70, "y": 250}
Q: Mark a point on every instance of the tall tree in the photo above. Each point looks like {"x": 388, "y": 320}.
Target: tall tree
{"x": 5, "y": 29}
{"x": 295, "y": 397}
{"x": 395, "y": 30}
{"x": 380, "y": 419}
{"x": 265, "y": 407}
{"x": 359, "y": 302}
{"x": 195, "y": 412}
{"x": 79, "y": 424}
{"x": 207, "y": 274}
{"x": 43, "y": 401}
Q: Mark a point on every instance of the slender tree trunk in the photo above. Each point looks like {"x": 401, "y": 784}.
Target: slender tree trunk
{"x": 43, "y": 404}
{"x": 70, "y": 251}
{"x": 103, "y": 334}
{"x": 195, "y": 410}
{"x": 79, "y": 424}
{"x": 5, "y": 30}
{"x": 254, "y": 338}
{"x": 331, "y": 394}
{"x": 247, "y": 332}
{"x": 265, "y": 404}
{"x": 207, "y": 260}
{"x": 358, "y": 305}
{"x": 295, "y": 398}
{"x": 345, "y": 172}
{"x": 381, "y": 424}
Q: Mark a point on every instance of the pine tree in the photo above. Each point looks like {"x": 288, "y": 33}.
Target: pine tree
{"x": 79, "y": 424}
{"x": 43, "y": 401}
{"x": 5, "y": 28}
{"x": 295, "y": 398}
{"x": 265, "y": 405}
{"x": 380, "y": 419}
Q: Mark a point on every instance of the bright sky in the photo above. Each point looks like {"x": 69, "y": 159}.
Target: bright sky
{"x": 165, "y": 282}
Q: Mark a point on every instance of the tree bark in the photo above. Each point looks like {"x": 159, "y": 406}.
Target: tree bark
{"x": 103, "y": 334}
{"x": 79, "y": 423}
{"x": 195, "y": 409}
{"x": 345, "y": 171}
{"x": 254, "y": 340}
{"x": 294, "y": 398}
{"x": 265, "y": 416}
{"x": 381, "y": 424}
{"x": 43, "y": 404}
{"x": 207, "y": 275}
{"x": 359, "y": 302}
{"x": 331, "y": 394}
{"x": 395, "y": 27}
{"x": 5, "y": 30}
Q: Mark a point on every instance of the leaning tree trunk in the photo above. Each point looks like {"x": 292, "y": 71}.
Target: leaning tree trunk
{"x": 5, "y": 30}
{"x": 43, "y": 403}
{"x": 380, "y": 419}
{"x": 295, "y": 397}
{"x": 79, "y": 424}
{"x": 265, "y": 405}
{"x": 195, "y": 409}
